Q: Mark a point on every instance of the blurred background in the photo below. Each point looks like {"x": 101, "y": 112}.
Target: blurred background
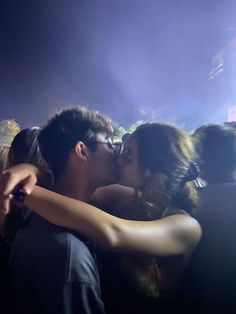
{"x": 171, "y": 60}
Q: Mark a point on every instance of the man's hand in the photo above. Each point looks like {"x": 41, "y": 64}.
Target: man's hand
{"x": 23, "y": 174}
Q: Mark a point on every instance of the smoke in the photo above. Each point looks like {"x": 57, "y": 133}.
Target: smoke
{"x": 131, "y": 59}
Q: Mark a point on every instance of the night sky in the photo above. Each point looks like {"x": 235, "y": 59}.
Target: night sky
{"x": 130, "y": 59}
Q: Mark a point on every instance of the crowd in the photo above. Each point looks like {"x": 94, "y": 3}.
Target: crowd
{"x": 93, "y": 224}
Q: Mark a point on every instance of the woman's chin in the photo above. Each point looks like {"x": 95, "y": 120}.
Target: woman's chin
{"x": 124, "y": 182}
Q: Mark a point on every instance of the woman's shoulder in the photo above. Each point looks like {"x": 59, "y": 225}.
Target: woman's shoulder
{"x": 114, "y": 194}
{"x": 185, "y": 227}
{"x": 169, "y": 211}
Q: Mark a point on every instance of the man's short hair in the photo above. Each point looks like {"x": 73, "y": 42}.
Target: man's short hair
{"x": 61, "y": 133}
{"x": 216, "y": 148}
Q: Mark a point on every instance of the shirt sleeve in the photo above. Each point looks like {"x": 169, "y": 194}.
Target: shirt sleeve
{"x": 81, "y": 298}
{"x": 76, "y": 298}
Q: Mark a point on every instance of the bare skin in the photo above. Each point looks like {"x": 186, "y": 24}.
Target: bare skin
{"x": 177, "y": 234}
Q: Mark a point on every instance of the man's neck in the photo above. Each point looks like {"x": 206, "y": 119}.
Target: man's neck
{"x": 73, "y": 187}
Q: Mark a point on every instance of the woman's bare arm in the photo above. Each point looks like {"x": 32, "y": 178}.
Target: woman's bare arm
{"x": 26, "y": 175}
{"x": 172, "y": 235}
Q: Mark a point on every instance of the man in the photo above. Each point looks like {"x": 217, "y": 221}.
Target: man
{"x": 211, "y": 277}
{"x": 51, "y": 269}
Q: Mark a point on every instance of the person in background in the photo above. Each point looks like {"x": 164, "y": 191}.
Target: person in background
{"x": 4, "y": 149}
{"x": 4, "y": 246}
{"x": 24, "y": 149}
{"x": 3, "y": 163}
{"x": 212, "y": 274}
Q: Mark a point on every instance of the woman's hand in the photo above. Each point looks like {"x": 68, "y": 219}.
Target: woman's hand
{"x": 10, "y": 179}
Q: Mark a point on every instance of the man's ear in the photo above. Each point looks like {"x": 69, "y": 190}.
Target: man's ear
{"x": 81, "y": 150}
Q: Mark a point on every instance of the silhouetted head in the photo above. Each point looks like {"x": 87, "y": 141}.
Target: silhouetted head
{"x": 25, "y": 149}
{"x": 216, "y": 152}
{"x": 80, "y": 139}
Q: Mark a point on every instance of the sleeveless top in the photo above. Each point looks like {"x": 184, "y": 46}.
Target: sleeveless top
{"x": 132, "y": 278}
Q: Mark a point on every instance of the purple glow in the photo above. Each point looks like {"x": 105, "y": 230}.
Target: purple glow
{"x": 130, "y": 59}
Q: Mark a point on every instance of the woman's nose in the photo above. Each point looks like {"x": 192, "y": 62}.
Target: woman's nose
{"x": 119, "y": 159}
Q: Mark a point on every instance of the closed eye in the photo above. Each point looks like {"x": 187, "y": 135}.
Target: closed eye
{"x": 127, "y": 156}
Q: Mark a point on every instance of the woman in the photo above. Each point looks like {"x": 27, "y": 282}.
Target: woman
{"x": 4, "y": 149}
{"x": 24, "y": 149}
{"x": 156, "y": 164}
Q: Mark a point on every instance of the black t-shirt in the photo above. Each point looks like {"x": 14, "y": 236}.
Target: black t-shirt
{"x": 51, "y": 270}
{"x": 211, "y": 276}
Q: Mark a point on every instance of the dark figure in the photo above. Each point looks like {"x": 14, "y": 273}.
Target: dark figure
{"x": 212, "y": 273}
{"x": 24, "y": 149}
{"x": 3, "y": 156}
{"x": 3, "y": 163}
{"x": 4, "y": 246}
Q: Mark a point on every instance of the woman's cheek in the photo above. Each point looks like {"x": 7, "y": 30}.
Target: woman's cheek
{"x": 133, "y": 178}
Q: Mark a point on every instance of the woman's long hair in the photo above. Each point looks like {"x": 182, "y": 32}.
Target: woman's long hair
{"x": 24, "y": 149}
{"x": 165, "y": 149}
{"x": 4, "y": 149}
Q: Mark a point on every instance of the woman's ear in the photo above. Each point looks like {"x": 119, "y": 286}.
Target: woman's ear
{"x": 81, "y": 150}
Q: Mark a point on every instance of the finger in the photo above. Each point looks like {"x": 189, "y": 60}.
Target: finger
{"x": 5, "y": 205}
{"x": 29, "y": 183}
{"x": 9, "y": 183}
